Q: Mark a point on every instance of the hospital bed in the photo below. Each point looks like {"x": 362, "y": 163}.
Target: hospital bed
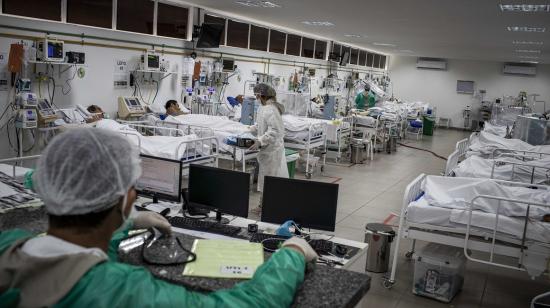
{"x": 304, "y": 135}
{"x": 505, "y": 166}
{"x": 494, "y": 217}
{"x": 166, "y": 142}
{"x": 12, "y": 177}
{"x": 338, "y": 132}
{"x": 219, "y": 127}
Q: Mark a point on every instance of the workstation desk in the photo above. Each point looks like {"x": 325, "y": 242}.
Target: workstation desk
{"x": 323, "y": 286}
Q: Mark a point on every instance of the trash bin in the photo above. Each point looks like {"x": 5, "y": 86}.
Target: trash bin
{"x": 428, "y": 123}
{"x": 357, "y": 151}
{"x": 291, "y": 158}
{"x": 378, "y": 237}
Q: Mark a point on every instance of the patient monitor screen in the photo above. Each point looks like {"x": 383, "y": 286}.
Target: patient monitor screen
{"x": 160, "y": 177}
{"x": 132, "y": 102}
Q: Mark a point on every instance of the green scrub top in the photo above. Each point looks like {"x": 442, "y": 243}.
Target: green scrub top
{"x": 115, "y": 284}
{"x": 360, "y": 101}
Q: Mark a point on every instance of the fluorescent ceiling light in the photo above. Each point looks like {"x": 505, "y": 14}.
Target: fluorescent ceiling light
{"x": 530, "y": 62}
{"x": 527, "y": 43}
{"x": 318, "y": 23}
{"x": 266, "y": 4}
{"x": 527, "y": 50}
{"x": 353, "y": 35}
{"x": 528, "y": 57}
{"x": 384, "y": 44}
{"x": 525, "y": 7}
{"x": 526, "y": 29}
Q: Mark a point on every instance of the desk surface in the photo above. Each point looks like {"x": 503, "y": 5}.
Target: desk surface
{"x": 323, "y": 286}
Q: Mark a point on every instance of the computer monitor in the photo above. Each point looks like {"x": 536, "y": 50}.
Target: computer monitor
{"x": 160, "y": 178}
{"x": 221, "y": 190}
{"x": 210, "y": 35}
{"x": 310, "y": 204}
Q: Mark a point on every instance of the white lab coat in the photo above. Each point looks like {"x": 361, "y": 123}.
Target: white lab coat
{"x": 270, "y": 129}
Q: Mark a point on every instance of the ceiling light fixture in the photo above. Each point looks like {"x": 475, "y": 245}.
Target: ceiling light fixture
{"x": 384, "y": 44}
{"x": 525, "y": 7}
{"x": 353, "y": 35}
{"x": 530, "y": 62}
{"x": 527, "y": 43}
{"x": 526, "y": 29}
{"x": 318, "y": 23}
{"x": 527, "y": 50}
{"x": 528, "y": 57}
{"x": 265, "y": 4}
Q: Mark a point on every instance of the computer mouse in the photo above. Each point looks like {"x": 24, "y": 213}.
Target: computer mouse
{"x": 341, "y": 250}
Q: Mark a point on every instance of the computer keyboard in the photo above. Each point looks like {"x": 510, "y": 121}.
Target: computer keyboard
{"x": 203, "y": 225}
{"x": 321, "y": 246}
{"x": 260, "y": 237}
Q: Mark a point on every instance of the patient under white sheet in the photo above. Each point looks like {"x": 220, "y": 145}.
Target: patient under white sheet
{"x": 457, "y": 193}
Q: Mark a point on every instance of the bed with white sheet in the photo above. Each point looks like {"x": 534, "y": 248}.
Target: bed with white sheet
{"x": 505, "y": 167}
{"x": 173, "y": 145}
{"x": 485, "y": 144}
{"x": 492, "y": 216}
{"x": 220, "y": 127}
{"x": 498, "y": 130}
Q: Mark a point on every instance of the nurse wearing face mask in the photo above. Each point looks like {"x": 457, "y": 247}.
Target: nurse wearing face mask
{"x": 85, "y": 178}
{"x": 270, "y": 130}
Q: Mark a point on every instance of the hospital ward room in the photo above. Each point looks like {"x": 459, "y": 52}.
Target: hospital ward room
{"x": 250, "y": 153}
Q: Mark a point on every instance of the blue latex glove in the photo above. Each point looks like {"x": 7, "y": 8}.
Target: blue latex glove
{"x": 284, "y": 229}
{"x": 232, "y": 101}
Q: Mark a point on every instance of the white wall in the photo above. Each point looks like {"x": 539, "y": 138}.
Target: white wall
{"x": 97, "y": 85}
{"x": 439, "y": 87}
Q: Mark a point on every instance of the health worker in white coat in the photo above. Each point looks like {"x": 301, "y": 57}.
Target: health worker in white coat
{"x": 270, "y": 131}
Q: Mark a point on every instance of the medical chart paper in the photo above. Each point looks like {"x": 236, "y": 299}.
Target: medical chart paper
{"x": 225, "y": 259}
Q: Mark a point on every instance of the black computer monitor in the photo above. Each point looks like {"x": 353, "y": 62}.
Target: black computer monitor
{"x": 310, "y": 204}
{"x": 160, "y": 178}
{"x": 210, "y": 35}
{"x": 221, "y": 190}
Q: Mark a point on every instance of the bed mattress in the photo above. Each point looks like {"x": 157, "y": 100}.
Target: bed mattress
{"x": 422, "y": 212}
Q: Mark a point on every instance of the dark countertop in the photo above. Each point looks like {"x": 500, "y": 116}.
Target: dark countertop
{"x": 323, "y": 286}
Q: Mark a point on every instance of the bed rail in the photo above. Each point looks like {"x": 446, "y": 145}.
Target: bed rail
{"x": 314, "y": 140}
{"x": 151, "y": 130}
{"x": 17, "y": 160}
{"x": 520, "y": 164}
{"x": 462, "y": 147}
{"x": 491, "y": 258}
{"x": 201, "y": 131}
{"x": 452, "y": 162}
{"x": 524, "y": 155}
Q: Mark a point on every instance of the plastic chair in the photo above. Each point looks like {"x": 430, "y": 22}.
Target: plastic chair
{"x": 367, "y": 135}
{"x": 415, "y": 130}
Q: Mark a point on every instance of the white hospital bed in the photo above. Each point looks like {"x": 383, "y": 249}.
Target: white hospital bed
{"x": 502, "y": 222}
{"x": 303, "y": 135}
{"x": 505, "y": 166}
{"x": 166, "y": 142}
{"x": 218, "y": 126}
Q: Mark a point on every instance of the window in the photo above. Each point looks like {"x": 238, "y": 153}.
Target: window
{"x": 258, "y": 38}
{"x": 354, "y": 56}
{"x": 96, "y": 13}
{"x": 320, "y": 50}
{"x": 376, "y": 63}
{"x": 237, "y": 34}
{"x": 337, "y": 51}
{"x": 382, "y": 61}
{"x": 293, "y": 45}
{"x": 346, "y": 49}
{"x": 277, "y": 42}
{"x": 172, "y": 21}
{"x": 307, "y": 47}
{"x": 370, "y": 59}
{"x": 209, "y": 19}
{"x": 43, "y": 9}
{"x": 362, "y": 57}
{"x": 135, "y": 16}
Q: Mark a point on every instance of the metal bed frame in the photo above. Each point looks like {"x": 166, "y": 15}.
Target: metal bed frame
{"x": 314, "y": 141}
{"x": 190, "y": 154}
{"x": 453, "y": 161}
{"x": 529, "y": 254}
{"x": 242, "y": 156}
{"x": 342, "y": 139}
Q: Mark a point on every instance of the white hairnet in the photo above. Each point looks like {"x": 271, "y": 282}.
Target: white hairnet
{"x": 265, "y": 90}
{"x": 86, "y": 170}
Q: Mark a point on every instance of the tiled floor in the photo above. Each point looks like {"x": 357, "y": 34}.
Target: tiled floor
{"x": 373, "y": 191}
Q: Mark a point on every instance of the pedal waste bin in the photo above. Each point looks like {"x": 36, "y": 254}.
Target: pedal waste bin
{"x": 428, "y": 126}
{"x": 379, "y": 237}
{"x": 357, "y": 151}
